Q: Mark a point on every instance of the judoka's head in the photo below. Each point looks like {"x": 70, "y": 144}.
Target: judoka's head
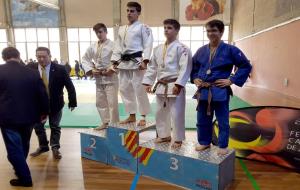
{"x": 101, "y": 31}
{"x": 43, "y": 56}
{"x": 10, "y": 54}
{"x": 171, "y": 28}
{"x": 214, "y": 29}
{"x": 133, "y": 11}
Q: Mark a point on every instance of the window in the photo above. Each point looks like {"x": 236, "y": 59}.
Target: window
{"x": 3, "y": 41}
{"x": 192, "y": 36}
{"x": 195, "y": 36}
{"x": 79, "y": 39}
{"x": 28, "y": 39}
{"x": 158, "y": 36}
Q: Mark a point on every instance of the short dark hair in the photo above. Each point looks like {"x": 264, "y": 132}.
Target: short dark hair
{"x": 98, "y": 26}
{"x": 10, "y": 52}
{"x": 172, "y": 22}
{"x": 43, "y": 49}
{"x": 136, "y": 5}
{"x": 216, "y": 23}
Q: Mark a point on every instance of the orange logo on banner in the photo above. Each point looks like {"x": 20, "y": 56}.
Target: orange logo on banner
{"x": 131, "y": 144}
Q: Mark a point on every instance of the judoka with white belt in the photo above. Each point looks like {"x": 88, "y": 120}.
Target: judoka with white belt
{"x": 96, "y": 62}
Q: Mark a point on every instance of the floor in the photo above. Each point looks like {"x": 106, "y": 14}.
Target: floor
{"x": 74, "y": 172}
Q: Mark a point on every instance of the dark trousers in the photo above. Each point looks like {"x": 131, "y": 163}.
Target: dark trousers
{"x": 204, "y": 122}
{"x": 17, "y": 141}
{"x": 78, "y": 74}
{"x": 54, "y": 120}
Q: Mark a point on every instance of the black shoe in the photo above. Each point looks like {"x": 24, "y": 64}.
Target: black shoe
{"x": 56, "y": 154}
{"x": 39, "y": 151}
{"x": 18, "y": 182}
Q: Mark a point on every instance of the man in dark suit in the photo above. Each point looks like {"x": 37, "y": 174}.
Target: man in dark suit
{"x": 55, "y": 79}
{"x": 23, "y": 102}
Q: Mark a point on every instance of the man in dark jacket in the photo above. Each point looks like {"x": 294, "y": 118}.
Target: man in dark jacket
{"x": 77, "y": 69}
{"x": 55, "y": 79}
{"x": 68, "y": 68}
{"x": 23, "y": 102}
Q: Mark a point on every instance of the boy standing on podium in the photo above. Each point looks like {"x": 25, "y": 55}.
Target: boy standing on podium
{"x": 130, "y": 57}
{"x": 171, "y": 65}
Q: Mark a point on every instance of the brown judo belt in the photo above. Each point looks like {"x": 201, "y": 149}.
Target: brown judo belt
{"x": 165, "y": 84}
{"x": 209, "y": 97}
{"x": 208, "y": 85}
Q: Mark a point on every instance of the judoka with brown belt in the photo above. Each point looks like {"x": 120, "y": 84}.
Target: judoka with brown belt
{"x": 171, "y": 65}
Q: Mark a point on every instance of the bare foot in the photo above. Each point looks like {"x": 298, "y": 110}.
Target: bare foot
{"x": 130, "y": 119}
{"x": 101, "y": 127}
{"x": 200, "y": 147}
{"x": 176, "y": 144}
{"x": 142, "y": 122}
{"x": 222, "y": 151}
{"x": 161, "y": 140}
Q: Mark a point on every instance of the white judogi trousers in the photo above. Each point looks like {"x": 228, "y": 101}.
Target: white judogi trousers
{"x": 107, "y": 102}
{"x": 171, "y": 116}
{"x": 132, "y": 91}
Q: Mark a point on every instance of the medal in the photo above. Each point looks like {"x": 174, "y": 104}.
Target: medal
{"x": 208, "y": 72}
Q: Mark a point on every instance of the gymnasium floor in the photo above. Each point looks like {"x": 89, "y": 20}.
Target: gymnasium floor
{"x": 73, "y": 172}
{"x": 86, "y": 115}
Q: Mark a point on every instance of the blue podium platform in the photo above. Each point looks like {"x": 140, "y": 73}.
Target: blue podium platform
{"x": 186, "y": 167}
{"x": 94, "y": 145}
{"x": 120, "y": 146}
{"x": 123, "y": 145}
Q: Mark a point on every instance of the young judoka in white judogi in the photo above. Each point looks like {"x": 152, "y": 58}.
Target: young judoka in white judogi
{"x": 133, "y": 40}
{"x": 171, "y": 65}
{"x": 96, "y": 62}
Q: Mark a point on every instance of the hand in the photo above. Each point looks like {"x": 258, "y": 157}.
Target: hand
{"x": 113, "y": 67}
{"x": 108, "y": 72}
{"x": 198, "y": 82}
{"x": 223, "y": 83}
{"x": 176, "y": 89}
{"x": 44, "y": 118}
{"x": 71, "y": 108}
{"x": 89, "y": 73}
{"x": 96, "y": 72}
{"x": 115, "y": 64}
{"x": 148, "y": 88}
{"x": 143, "y": 66}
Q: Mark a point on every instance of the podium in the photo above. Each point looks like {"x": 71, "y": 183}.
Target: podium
{"x": 187, "y": 167}
{"x": 94, "y": 145}
{"x": 123, "y": 144}
{"x": 120, "y": 146}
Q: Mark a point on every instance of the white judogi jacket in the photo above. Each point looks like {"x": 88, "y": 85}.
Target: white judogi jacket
{"x": 169, "y": 62}
{"x": 98, "y": 56}
{"x": 131, "y": 39}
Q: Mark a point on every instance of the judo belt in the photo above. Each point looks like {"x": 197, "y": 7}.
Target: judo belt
{"x": 165, "y": 84}
{"x": 131, "y": 57}
{"x": 209, "y": 96}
